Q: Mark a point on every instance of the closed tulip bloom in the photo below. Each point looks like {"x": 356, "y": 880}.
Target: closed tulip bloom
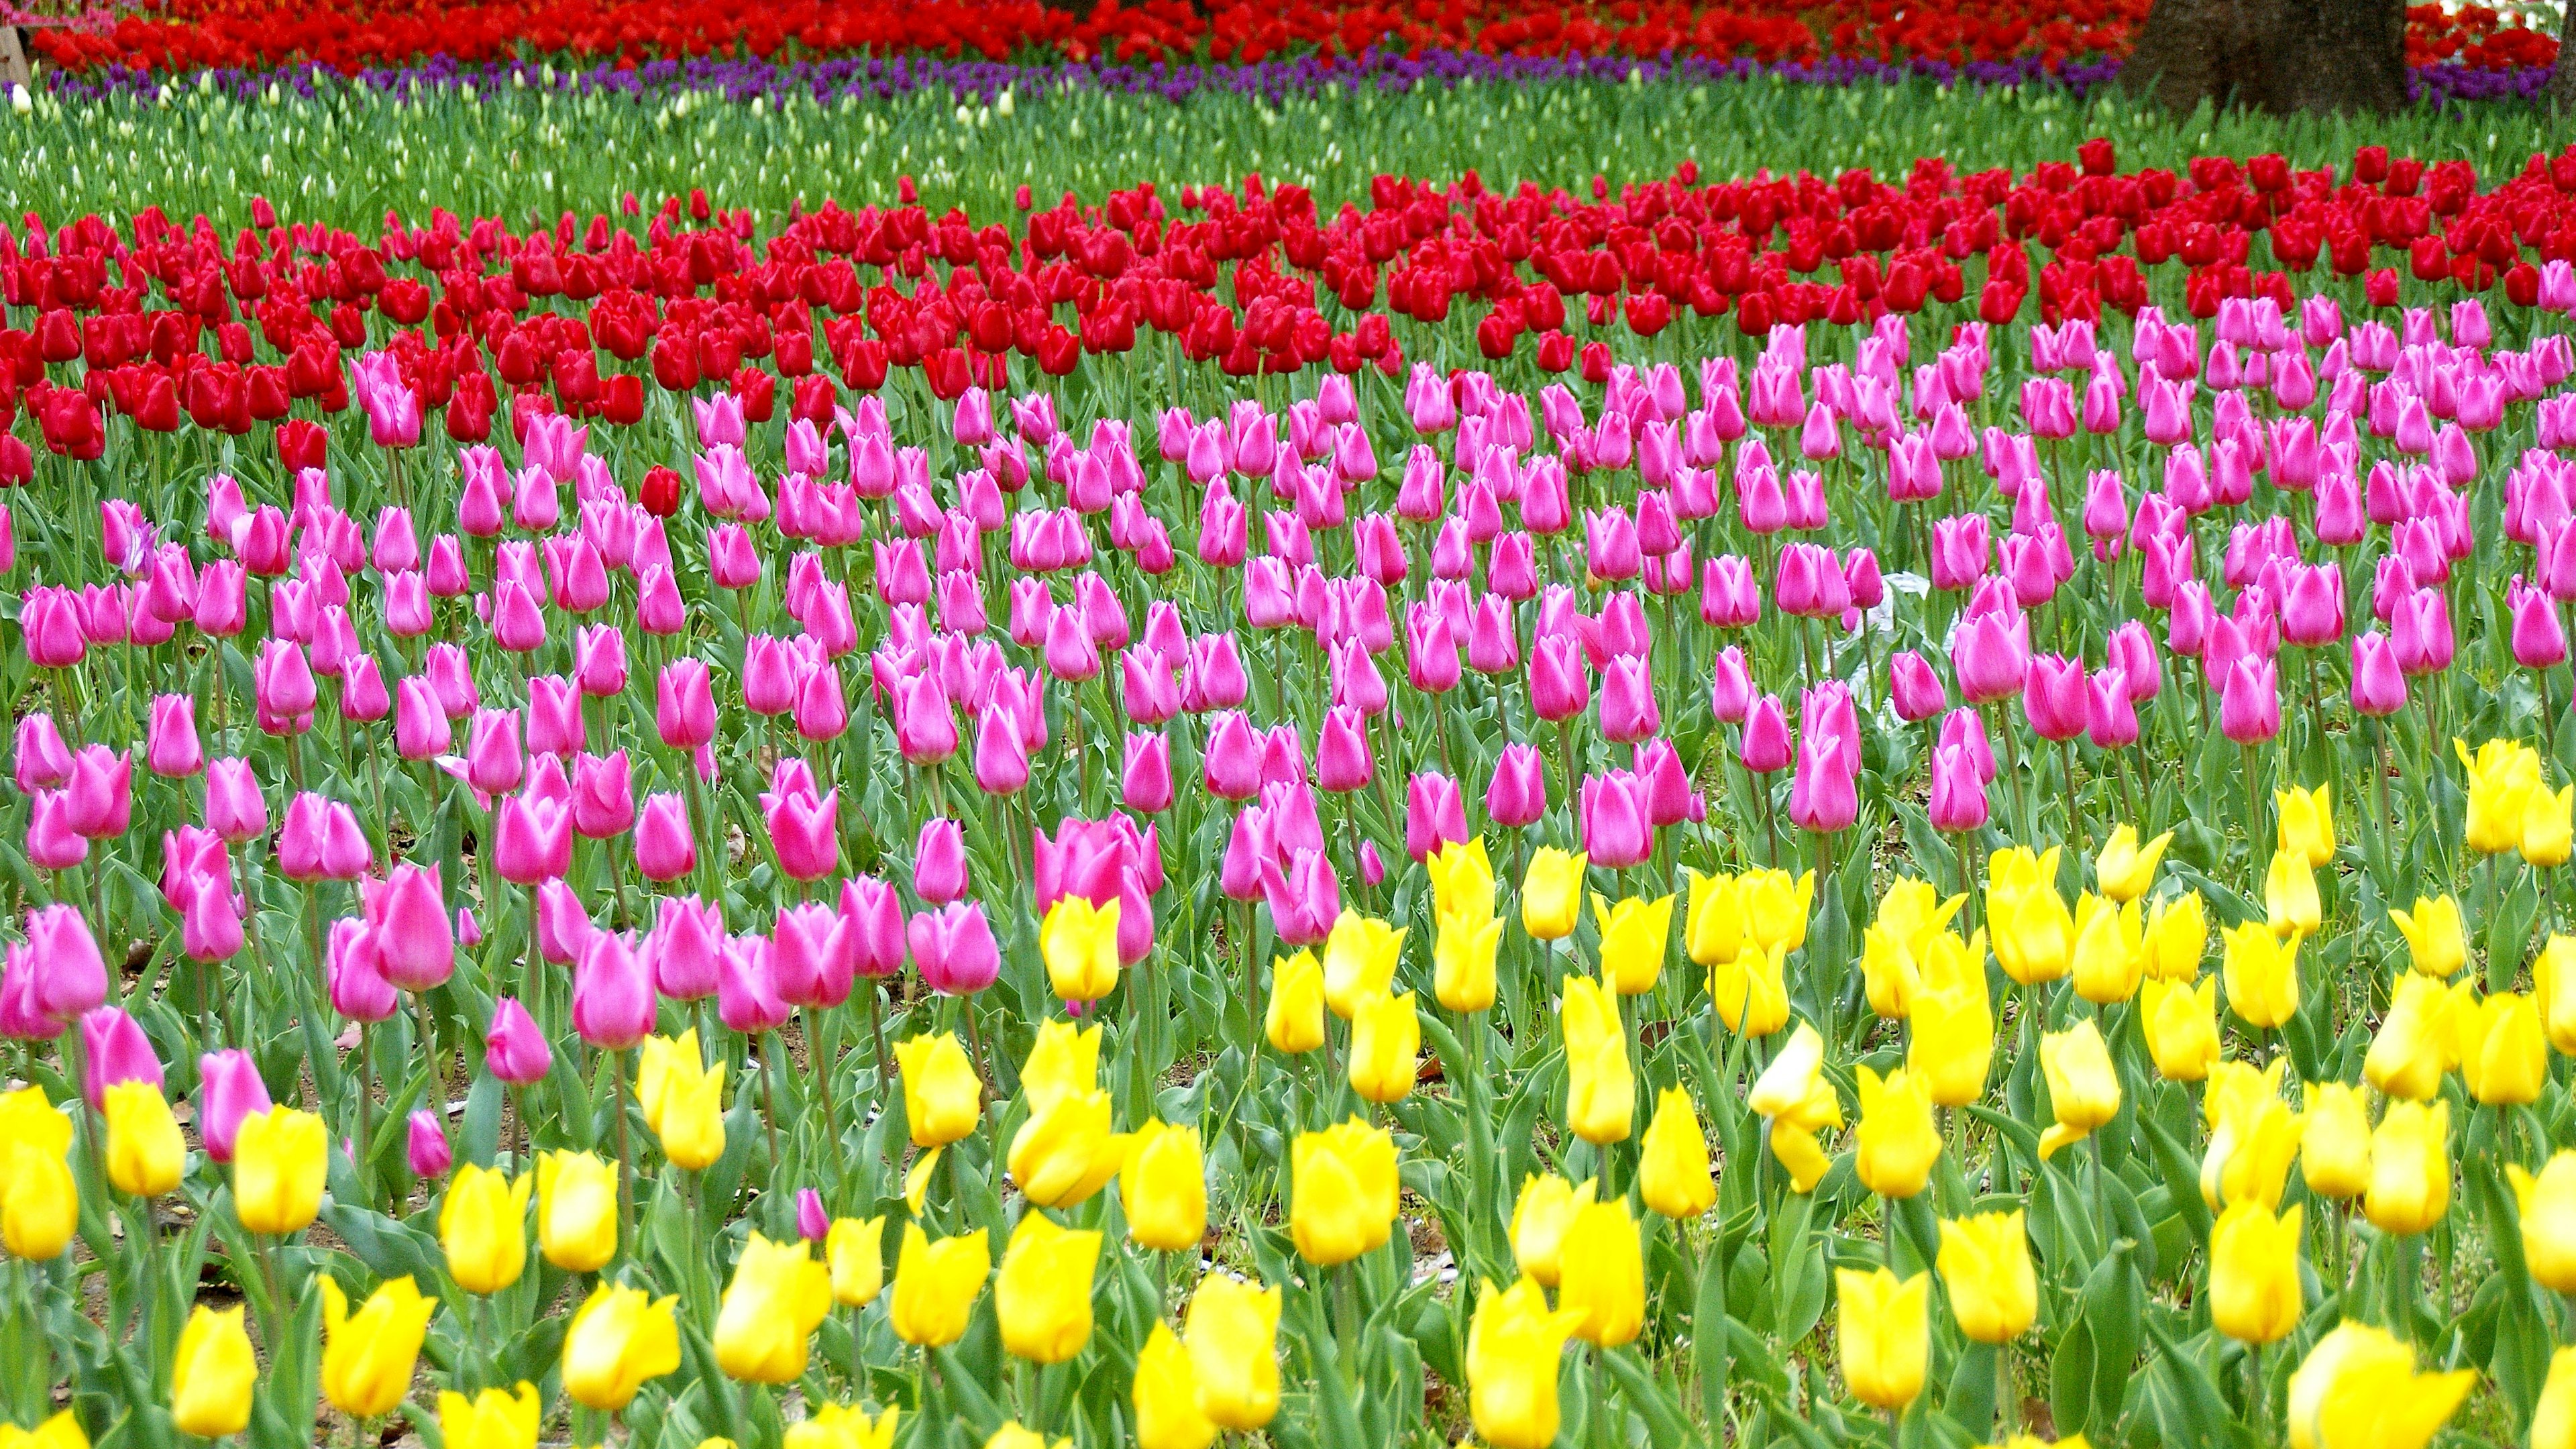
{"x": 1079, "y": 942}
{"x": 1360, "y": 957}
{"x": 145, "y": 1154}
{"x": 2290, "y": 903}
{"x": 2253, "y": 1135}
{"x": 2262, "y": 975}
{"x": 368, "y": 1356}
{"x": 1293, "y": 1018}
{"x": 2553, "y": 985}
{"x": 2181, "y": 1025}
{"x": 778, "y": 1297}
{"x": 690, "y": 1113}
{"x": 1750, "y": 992}
{"x": 1985, "y": 1268}
{"x": 2549, "y": 827}
{"x": 482, "y": 1228}
{"x": 2504, "y": 1054}
{"x": 279, "y": 1161}
{"x": 1232, "y": 1332}
{"x": 1514, "y": 1346}
{"x": 854, "y": 1250}
{"x": 2358, "y": 1386}
{"x": 576, "y": 1211}
{"x": 1635, "y": 934}
{"x": 619, "y": 1338}
{"x": 2254, "y": 1289}
{"x": 1042, "y": 1296}
{"x": 1601, "y": 1273}
{"x": 1713, "y": 930}
{"x": 942, "y": 1100}
{"x": 2416, "y": 1039}
{"x": 1776, "y": 907}
{"x": 2410, "y": 1168}
{"x": 1601, "y": 1087}
{"x": 1897, "y": 1141}
{"x": 1165, "y": 1395}
{"x": 2110, "y": 955}
{"x": 2034, "y": 933}
{"x": 1066, "y": 1151}
{"x": 212, "y": 1375}
{"x": 39, "y": 1201}
{"x": 2502, "y": 774}
{"x": 1162, "y": 1188}
{"x": 1674, "y": 1177}
{"x": 1552, "y": 893}
{"x": 2124, "y": 868}
{"x": 2436, "y": 943}
{"x": 1540, "y": 1216}
{"x": 1462, "y": 960}
{"x": 1342, "y": 1192}
{"x": 1462, "y": 879}
{"x": 2083, "y": 1087}
{"x": 491, "y": 1419}
{"x": 2547, "y": 1205}
{"x": 1064, "y": 1061}
{"x": 1884, "y": 1330}
{"x": 1951, "y": 1045}
{"x": 1386, "y": 1038}
{"x": 2334, "y": 1141}
{"x": 2177, "y": 937}
{"x": 1793, "y": 1093}
{"x": 936, "y": 1285}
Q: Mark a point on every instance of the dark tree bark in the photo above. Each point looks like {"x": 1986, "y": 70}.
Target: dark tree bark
{"x": 2278, "y": 56}
{"x": 2562, "y": 80}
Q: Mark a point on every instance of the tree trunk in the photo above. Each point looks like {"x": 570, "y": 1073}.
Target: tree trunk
{"x": 2279, "y": 56}
{"x": 2562, "y": 81}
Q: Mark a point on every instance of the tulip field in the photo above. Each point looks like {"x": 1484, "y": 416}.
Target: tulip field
{"x": 1659, "y": 747}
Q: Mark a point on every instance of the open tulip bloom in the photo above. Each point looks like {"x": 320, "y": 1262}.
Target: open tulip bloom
{"x": 1023, "y": 819}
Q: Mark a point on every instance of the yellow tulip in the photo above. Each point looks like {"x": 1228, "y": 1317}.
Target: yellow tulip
{"x": 936, "y": 1284}
{"x": 1750, "y": 991}
{"x": 1776, "y": 907}
{"x": 2181, "y": 1025}
{"x": 1165, "y": 1396}
{"x": 1163, "y": 1188}
{"x": 482, "y": 1226}
{"x": 1294, "y": 1021}
{"x": 1884, "y": 1330}
{"x": 942, "y": 1100}
{"x": 62, "y": 1431}
{"x": 1342, "y": 1192}
{"x": 2110, "y": 950}
{"x": 2547, "y": 1204}
{"x": 1713, "y": 929}
{"x": 2504, "y": 1054}
{"x": 778, "y": 1297}
{"x": 1462, "y": 880}
{"x": 491, "y": 1419}
{"x": 2406, "y": 1059}
{"x": 145, "y": 1153}
{"x": 2553, "y": 1420}
{"x": 1952, "y": 1045}
{"x": 2307, "y": 826}
{"x": 2290, "y": 904}
{"x": 1601, "y": 1274}
{"x": 1897, "y": 1141}
{"x": 367, "y": 1357}
{"x": 2034, "y": 933}
{"x": 2262, "y": 974}
{"x": 27, "y": 1119}
{"x": 1514, "y": 1342}
{"x": 576, "y": 1211}
{"x": 39, "y": 1203}
{"x": 2254, "y": 1290}
{"x": 1912, "y": 912}
{"x": 656, "y": 1064}
{"x": 2083, "y": 1089}
{"x": 619, "y": 1338}
{"x": 854, "y": 1249}
{"x": 1079, "y": 942}
{"x": 1232, "y": 1330}
{"x": 2177, "y": 937}
{"x": 213, "y": 1375}
{"x": 280, "y": 1157}
{"x": 2435, "y": 941}
{"x": 1635, "y": 934}
{"x": 683, "y": 1101}
{"x": 834, "y": 1426}
{"x": 2553, "y": 985}
{"x": 2125, "y": 869}
{"x": 1888, "y": 973}
{"x": 2410, "y": 1168}
{"x": 1063, "y": 1155}
{"x": 1014, "y": 1435}
{"x": 1673, "y": 1173}
{"x": 1063, "y": 1062}
{"x": 2503, "y": 775}
{"x": 1601, "y": 1089}
{"x": 1985, "y": 1268}
{"x": 2334, "y": 1141}
{"x": 1042, "y": 1296}
{"x": 1545, "y": 1209}
{"x": 1386, "y": 1044}
{"x": 2548, "y": 826}
{"x": 1462, "y": 961}
{"x": 1360, "y": 957}
{"x": 2253, "y": 1135}
{"x": 1552, "y": 893}
{"x": 2358, "y": 1386}
{"x": 1793, "y": 1093}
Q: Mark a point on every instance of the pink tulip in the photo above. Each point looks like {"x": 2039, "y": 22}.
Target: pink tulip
{"x": 1628, "y": 711}
{"x": 612, "y": 994}
{"x": 2053, "y": 697}
{"x": 747, "y": 1000}
{"x": 954, "y": 948}
{"x": 1914, "y": 688}
{"x": 603, "y": 795}
{"x": 1434, "y": 814}
{"x": 2378, "y": 685}
{"x": 171, "y": 747}
{"x": 1516, "y": 797}
{"x": 532, "y": 840}
{"x": 1764, "y": 747}
{"x": 1958, "y": 800}
{"x": 684, "y": 709}
{"x": 71, "y": 976}
{"x": 2249, "y": 705}
{"x": 939, "y": 861}
{"x": 1342, "y": 758}
{"x": 514, "y": 1050}
{"x": 425, "y": 1149}
{"x": 1613, "y": 820}
{"x": 114, "y": 1049}
{"x": 354, "y": 977}
{"x": 43, "y": 761}
{"x": 407, "y": 915}
{"x": 811, "y": 958}
{"x": 1560, "y": 685}
{"x": 101, "y": 793}
{"x": 228, "y": 1089}
{"x": 52, "y": 843}
{"x": 665, "y": 847}
{"x": 686, "y": 948}
{"x": 1304, "y": 896}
